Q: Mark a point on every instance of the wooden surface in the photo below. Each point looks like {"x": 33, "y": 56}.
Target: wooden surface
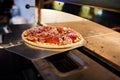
{"x": 101, "y": 40}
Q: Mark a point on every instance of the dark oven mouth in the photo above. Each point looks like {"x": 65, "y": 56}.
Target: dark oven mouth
{"x": 66, "y": 63}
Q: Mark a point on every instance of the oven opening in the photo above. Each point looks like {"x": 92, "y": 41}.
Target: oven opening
{"x": 66, "y": 62}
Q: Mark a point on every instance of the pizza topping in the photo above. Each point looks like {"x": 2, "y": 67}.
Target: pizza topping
{"x": 67, "y": 40}
{"x": 73, "y": 36}
{"x": 52, "y": 35}
{"x": 31, "y": 38}
{"x": 54, "y": 40}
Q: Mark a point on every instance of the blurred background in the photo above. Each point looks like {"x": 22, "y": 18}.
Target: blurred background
{"x": 16, "y": 13}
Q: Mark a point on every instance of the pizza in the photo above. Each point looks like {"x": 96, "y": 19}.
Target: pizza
{"x": 52, "y": 37}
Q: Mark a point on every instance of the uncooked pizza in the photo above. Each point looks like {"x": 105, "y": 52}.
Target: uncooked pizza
{"x": 52, "y": 37}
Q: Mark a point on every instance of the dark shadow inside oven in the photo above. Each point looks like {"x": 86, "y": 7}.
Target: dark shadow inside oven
{"x": 67, "y": 63}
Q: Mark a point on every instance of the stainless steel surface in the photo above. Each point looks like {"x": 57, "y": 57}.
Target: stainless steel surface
{"x": 29, "y": 53}
{"x": 32, "y": 53}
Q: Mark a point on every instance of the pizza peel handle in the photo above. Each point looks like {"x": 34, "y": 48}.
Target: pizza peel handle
{"x": 38, "y": 6}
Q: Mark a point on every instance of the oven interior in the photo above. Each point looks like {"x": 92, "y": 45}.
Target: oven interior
{"x": 67, "y": 63}
{"x": 61, "y": 66}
